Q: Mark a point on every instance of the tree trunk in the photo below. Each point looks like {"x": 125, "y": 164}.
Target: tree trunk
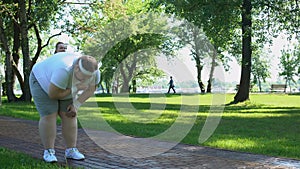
{"x": 243, "y": 92}
{"x": 197, "y": 58}
{"x": 130, "y": 67}
{"x": 25, "y": 50}
{"x": 211, "y": 73}
{"x": 259, "y": 84}
{"x": 15, "y": 52}
{"x": 8, "y": 85}
{"x": 101, "y": 86}
{"x": 200, "y": 83}
{"x": 126, "y": 79}
{"x": 107, "y": 85}
{"x": 286, "y": 84}
{"x": 134, "y": 85}
{"x": 0, "y": 93}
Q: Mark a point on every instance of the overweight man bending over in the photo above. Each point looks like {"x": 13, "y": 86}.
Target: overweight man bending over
{"x": 54, "y": 85}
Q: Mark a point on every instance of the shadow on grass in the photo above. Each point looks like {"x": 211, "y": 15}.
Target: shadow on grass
{"x": 270, "y": 135}
{"x": 19, "y": 110}
{"x": 142, "y": 95}
{"x": 274, "y": 131}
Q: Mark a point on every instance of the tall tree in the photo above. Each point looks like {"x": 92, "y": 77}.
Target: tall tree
{"x": 221, "y": 20}
{"x": 18, "y": 19}
{"x": 260, "y": 68}
{"x": 5, "y": 37}
{"x": 8, "y": 60}
{"x": 121, "y": 29}
{"x": 127, "y": 66}
{"x": 200, "y": 48}
{"x": 25, "y": 50}
{"x": 243, "y": 92}
{"x": 217, "y": 19}
{"x": 289, "y": 64}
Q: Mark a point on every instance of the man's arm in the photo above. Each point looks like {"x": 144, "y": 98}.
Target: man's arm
{"x": 58, "y": 93}
{"x": 73, "y": 108}
{"x": 87, "y": 93}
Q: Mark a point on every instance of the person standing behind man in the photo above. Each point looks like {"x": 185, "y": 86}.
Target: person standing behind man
{"x": 60, "y": 47}
{"x": 52, "y": 88}
{"x": 171, "y": 85}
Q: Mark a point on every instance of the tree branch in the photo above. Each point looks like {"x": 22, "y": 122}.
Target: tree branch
{"x": 19, "y": 76}
{"x": 29, "y": 8}
{"x": 48, "y": 41}
{"x": 40, "y": 46}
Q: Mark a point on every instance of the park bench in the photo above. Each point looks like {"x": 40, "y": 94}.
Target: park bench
{"x": 278, "y": 88}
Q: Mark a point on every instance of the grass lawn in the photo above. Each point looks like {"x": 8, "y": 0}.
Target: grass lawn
{"x": 14, "y": 160}
{"x": 268, "y": 124}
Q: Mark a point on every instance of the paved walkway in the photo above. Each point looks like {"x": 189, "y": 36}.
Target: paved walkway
{"x": 22, "y": 135}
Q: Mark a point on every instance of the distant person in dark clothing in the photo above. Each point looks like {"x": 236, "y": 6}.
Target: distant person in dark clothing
{"x": 171, "y": 85}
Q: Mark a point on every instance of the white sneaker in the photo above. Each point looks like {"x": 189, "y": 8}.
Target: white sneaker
{"x": 49, "y": 155}
{"x": 73, "y": 153}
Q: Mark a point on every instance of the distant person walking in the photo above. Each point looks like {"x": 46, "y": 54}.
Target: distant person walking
{"x": 171, "y": 85}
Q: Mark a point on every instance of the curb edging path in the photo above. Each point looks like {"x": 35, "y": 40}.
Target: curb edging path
{"x": 22, "y": 135}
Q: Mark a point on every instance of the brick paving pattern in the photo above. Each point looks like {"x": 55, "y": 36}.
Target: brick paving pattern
{"x": 22, "y": 135}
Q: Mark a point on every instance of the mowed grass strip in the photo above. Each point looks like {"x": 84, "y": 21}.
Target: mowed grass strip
{"x": 15, "y": 160}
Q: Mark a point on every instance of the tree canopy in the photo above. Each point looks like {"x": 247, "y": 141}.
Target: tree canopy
{"x": 123, "y": 31}
{"x": 233, "y": 25}
{"x": 290, "y": 64}
{"x": 20, "y": 23}
{"x": 114, "y": 30}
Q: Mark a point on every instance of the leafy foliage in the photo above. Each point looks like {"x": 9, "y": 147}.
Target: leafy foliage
{"x": 290, "y": 64}
{"x": 230, "y": 25}
{"x": 117, "y": 32}
{"x": 260, "y": 68}
{"x": 21, "y": 24}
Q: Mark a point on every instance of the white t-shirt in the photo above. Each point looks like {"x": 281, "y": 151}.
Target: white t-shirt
{"x": 58, "y": 70}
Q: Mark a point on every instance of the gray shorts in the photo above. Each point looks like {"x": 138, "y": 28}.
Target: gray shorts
{"x": 45, "y": 105}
